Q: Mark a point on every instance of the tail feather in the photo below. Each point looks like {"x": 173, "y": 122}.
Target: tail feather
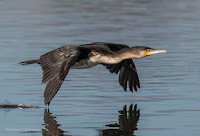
{"x": 29, "y": 62}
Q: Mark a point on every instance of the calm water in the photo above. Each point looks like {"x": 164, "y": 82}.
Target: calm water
{"x": 91, "y": 102}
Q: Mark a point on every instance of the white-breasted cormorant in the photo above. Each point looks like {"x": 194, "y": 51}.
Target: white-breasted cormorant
{"x": 115, "y": 57}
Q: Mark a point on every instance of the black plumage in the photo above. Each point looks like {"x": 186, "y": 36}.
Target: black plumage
{"x": 117, "y": 58}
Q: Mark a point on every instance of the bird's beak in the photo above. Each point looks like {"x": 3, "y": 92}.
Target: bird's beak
{"x": 154, "y": 52}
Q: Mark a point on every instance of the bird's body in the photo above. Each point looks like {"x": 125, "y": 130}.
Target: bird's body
{"x": 116, "y": 57}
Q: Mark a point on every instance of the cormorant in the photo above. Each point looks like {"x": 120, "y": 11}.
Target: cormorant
{"x": 115, "y": 57}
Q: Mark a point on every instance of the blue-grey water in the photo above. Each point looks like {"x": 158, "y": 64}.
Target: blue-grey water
{"x": 91, "y": 102}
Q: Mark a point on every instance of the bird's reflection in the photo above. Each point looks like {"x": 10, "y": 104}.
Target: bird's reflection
{"x": 127, "y": 123}
{"x": 51, "y": 125}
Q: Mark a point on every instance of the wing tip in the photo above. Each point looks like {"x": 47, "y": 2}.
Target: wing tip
{"x": 47, "y": 103}
{"x": 46, "y": 100}
{"x": 125, "y": 89}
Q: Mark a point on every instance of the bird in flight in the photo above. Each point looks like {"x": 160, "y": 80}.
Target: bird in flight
{"x": 117, "y": 58}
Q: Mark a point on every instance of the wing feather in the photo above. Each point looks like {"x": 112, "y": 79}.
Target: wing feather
{"x": 128, "y": 74}
{"x": 131, "y": 83}
{"x": 56, "y": 65}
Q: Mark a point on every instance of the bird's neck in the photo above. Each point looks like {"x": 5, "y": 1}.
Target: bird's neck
{"x": 118, "y": 56}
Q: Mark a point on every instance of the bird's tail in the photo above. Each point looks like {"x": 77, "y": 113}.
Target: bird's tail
{"x": 30, "y": 62}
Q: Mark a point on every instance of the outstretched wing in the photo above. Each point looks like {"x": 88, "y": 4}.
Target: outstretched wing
{"x": 128, "y": 74}
{"x": 56, "y": 65}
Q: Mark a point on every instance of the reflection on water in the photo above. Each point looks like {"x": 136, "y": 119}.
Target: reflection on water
{"x": 127, "y": 123}
{"x": 51, "y": 125}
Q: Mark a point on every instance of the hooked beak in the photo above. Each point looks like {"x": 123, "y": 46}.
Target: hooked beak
{"x": 154, "y": 52}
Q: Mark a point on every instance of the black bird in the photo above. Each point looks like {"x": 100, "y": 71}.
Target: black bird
{"x": 115, "y": 57}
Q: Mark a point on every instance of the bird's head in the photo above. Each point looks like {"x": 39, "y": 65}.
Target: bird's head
{"x": 143, "y": 51}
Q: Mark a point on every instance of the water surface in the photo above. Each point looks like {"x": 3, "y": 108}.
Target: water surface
{"x": 90, "y": 99}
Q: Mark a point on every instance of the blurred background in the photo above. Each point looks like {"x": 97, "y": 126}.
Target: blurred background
{"x": 91, "y": 102}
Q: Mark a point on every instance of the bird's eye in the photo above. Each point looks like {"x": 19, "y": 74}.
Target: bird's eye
{"x": 148, "y": 49}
